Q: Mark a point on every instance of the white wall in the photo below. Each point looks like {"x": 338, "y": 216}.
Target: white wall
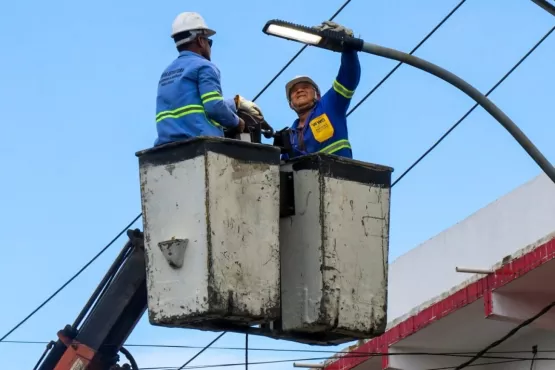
{"x": 500, "y": 229}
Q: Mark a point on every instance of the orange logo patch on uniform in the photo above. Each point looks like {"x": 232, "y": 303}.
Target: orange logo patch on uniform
{"x": 321, "y": 128}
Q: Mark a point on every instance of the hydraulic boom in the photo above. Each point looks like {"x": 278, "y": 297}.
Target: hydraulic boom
{"x": 97, "y": 335}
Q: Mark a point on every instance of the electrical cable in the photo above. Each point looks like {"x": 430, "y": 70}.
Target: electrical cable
{"x": 246, "y": 351}
{"x": 430, "y": 149}
{"x": 535, "y": 352}
{"x": 319, "y": 359}
{"x": 507, "y": 336}
{"x": 386, "y": 77}
{"x": 550, "y": 8}
{"x": 69, "y": 281}
{"x": 363, "y": 353}
{"x": 480, "y": 364}
{"x": 202, "y": 350}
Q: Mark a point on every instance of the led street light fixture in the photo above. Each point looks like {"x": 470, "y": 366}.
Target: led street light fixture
{"x": 293, "y": 34}
{"x": 326, "y": 39}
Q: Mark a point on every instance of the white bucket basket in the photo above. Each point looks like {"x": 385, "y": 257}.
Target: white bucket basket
{"x": 211, "y": 226}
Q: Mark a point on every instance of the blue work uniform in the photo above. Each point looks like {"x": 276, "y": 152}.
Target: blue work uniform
{"x": 189, "y": 101}
{"x": 325, "y": 130}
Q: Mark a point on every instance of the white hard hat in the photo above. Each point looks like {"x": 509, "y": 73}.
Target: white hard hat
{"x": 298, "y": 79}
{"x": 192, "y": 22}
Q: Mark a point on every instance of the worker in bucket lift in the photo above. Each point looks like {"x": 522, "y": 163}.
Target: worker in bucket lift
{"x": 321, "y": 125}
{"x": 189, "y": 102}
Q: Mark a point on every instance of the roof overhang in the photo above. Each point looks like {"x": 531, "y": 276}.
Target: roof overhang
{"x": 469, "y": 318}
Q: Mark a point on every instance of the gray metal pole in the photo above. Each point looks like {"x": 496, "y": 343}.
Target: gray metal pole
{"x": 469, "y": 90}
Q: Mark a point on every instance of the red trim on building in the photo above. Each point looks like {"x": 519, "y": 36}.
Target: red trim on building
{"x": 463, "y": 297}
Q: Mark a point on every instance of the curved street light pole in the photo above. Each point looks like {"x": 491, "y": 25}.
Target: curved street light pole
{"x": 471, "y": 91}
{"x": 335, "y": 41}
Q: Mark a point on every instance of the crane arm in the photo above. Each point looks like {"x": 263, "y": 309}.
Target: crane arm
{"x": 108, "y": 318}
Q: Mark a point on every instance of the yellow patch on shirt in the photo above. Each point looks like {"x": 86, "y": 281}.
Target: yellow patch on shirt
{"x": 321, "y": 128}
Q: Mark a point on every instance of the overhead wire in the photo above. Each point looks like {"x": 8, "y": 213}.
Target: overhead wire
{"x": 355, "y": 352}
{"x": 535, "y": 352}
{"x": 348, "y": 354}
{"x": 545, "y": 5}
{"x": 511, "y": 333}
{"x": 480, "y": 364}
{"x": 267, "y": 362}
{"x": 69, "y": 281}
{"x": 456, "y": 124}
{"x": 386, "y": 77}
{"x": 246, "y": 351}
{"x": 201, "y": 351}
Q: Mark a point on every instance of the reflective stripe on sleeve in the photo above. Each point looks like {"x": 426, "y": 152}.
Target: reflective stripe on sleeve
{"x": 179, "y": 112}
{"x": 210, "y": 96}
{"x": 215, "y": 123}
{"x": 342, "y": 90}
{"x": 336, "y": 146}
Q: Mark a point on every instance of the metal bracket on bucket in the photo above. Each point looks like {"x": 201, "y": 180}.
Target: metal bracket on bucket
{"x": 174, "y": 251}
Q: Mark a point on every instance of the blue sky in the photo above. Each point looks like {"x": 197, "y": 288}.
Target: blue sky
{"x": 77, "y": 97}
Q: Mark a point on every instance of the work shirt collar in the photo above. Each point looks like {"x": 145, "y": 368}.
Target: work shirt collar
{"x": 189, "y": 53}
{"x": 295, "y": 124}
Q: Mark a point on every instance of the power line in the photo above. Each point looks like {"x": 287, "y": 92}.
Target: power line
{"x": 246, "y": 351}
{"x": 202, "y": 350}
{"x": 323, "y": 358}
{"x": 430, "y": 149}
{"x": 481, "y": 364}
{"x": 508, "y": 335}
{"x": 550, "y": 8}
{"x": 69, "y": 281}
{"x": 348, "y": 354}
{"x": 535, "y": 352}
{"x": 365, "y": 353}
{"x": 411, "y": 52}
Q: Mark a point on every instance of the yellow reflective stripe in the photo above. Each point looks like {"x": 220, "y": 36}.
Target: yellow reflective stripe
{"x": 336, "y": 146}
{"x": 210, "y": 99}
{"x": 215, "y": 123}
{"x": 180, "y": 112}
{"x": 183, "y": 111}
{"x": 209, "y": 96}
{"x": 342, "y": 90}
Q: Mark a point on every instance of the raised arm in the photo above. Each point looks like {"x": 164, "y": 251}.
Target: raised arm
{"x": 216, "y": 108}
{"x": 346, "y": 81}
